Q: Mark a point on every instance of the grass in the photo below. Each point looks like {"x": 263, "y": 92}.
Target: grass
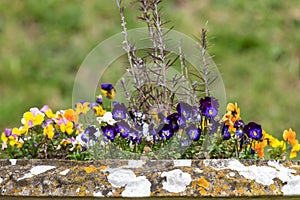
{"x": 255, "y": 43}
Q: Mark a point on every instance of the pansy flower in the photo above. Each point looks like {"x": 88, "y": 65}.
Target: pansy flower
{"x": 233, "y": 110}
{"x": 193, "y": 132}
{"x": 108, "y": 90}
{"x": 32, "y": 118}
{"x": 98, "y": 109}
{"x": 166, "y": 132}
{"x": 238, "y": 126}
{"x": 154, "y": 132}
{"x": 5, "y": 135}
{"x": 184, "y": 110}
{"x": 70, "y": 115}
{"x": 225, "y": 132}
{"x": 290, "y": 137}
{"x": 138, "y": 117}
{"x": 49, "y": 130}
{"x": 66, "y": 141}
{"x": 294, "y": 151}
{"x": 185, "y": 143}
{"x": 119, "y": 111}
{"x": 253, "y": 130}
{"x": 109, "y": 131}
{"x": 99, "y": 99}
{"x": 239, "y": 133}
{"x": 10, "y": 136}
{"x": 123, "y": 128}
{"x": 66, "y": 126}
{"x": 89, "y": 136}
{"x": 173, "y": 121}
{"x": 209, "y": 107}
{"x": 92, "y": 132}
{"x": 82, "y": 107}
{"x": 272, "y": 141}
{"x": 196, "y": 114}
{"x": 108, "y": 118}
{"x": 259, "y": 148}
{"x": 133, "y": 136}
{"x": 214, "y": 127}
{"x": 82, "y": 139}
{"x": 232, "y": 115}
{"x": 48, "y": 112}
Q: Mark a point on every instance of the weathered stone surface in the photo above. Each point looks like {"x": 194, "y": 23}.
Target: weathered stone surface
{"x": 146, "y": 178}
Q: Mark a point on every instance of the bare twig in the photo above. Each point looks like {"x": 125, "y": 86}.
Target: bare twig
{"x": 203, "y": 47}
{"x": 161, "y": 46}
{"x": 127, "y": 46}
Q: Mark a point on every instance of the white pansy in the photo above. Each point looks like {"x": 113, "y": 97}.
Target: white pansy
{"x": 146, "y": 133}
{"x": 108, "y": 118}
{"x": 79, "y": 140}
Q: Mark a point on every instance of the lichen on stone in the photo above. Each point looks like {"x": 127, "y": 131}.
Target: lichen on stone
{"x": 176, "y": 180}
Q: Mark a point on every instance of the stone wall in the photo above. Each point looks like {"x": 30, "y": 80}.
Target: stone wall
{"x": 149, "y": 178}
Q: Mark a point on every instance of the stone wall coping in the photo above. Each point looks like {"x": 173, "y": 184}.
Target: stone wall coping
{"x": 149, "y": 178}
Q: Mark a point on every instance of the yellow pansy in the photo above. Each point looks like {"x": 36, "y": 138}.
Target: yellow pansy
{"x": 32, "y": 118}
{"x": 82, "y": 107}
{"x": 67, "y": 127}
{"x": 272, "y": 141}
{"x": 48, "y": 112}
{"x": 10, "y": 136}
{"x": 49, "y": 131}
{"x": 293, "y": 154}
{"x": 16, "y": 131}
{"x": 12, "y": 140}
{"x": 99, "y": 111}
{"x": 294, "y": 151}
{"x": 4, "y": 138}
{"x": 108, "y": 90}
{"x": 23, "y": 130}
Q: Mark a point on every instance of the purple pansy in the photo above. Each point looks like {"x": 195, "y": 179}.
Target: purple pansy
{"x": 193, "y": 132}
{"x": 92, "y": 132}
{"x": 154, "y": 132}
{"x": 109, "y": 131}
{"x": 239, "y": 133}
{"x": 123, "y": 128}
{"x": 185, "y": 143}
{"x": 138, "y": 117}
{"x": 99, "y": 99}
{"x": 84, "y": 138}
{"x": 226, "y": 133}
{"x": 239, "y": 125}
{"x": 134, "y": 136}
{"x": 172, "y": 120}
{"x": 253, "y": 130}
{"x": 184, "y": 110}
{"x": 119, "y": 111}
{"x": 166, "y": 132}
{"x": 209, "y": 106}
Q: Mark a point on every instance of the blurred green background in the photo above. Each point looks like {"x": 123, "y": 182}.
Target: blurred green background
{"x": 256, "y": 45}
